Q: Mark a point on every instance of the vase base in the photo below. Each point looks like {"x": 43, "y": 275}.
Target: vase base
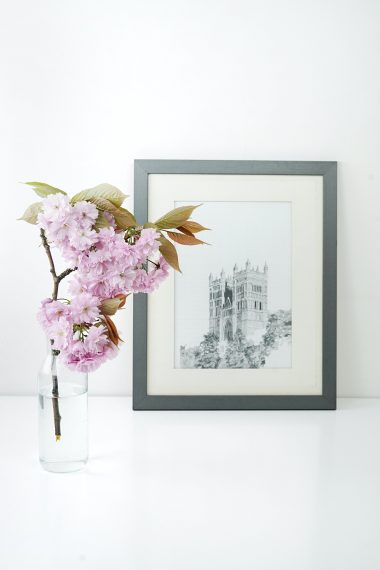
{"x": 63, "y": 466}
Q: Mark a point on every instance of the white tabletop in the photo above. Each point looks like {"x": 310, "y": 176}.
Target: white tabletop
{"x": 196, "y": 491}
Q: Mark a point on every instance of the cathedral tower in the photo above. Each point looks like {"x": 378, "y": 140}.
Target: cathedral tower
{"x": 239, "y": 301}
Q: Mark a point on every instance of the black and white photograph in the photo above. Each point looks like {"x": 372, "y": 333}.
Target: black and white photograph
{"x": 233, "y": 301}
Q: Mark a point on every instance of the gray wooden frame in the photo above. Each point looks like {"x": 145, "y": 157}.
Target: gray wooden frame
{"x": 326, "y": 401}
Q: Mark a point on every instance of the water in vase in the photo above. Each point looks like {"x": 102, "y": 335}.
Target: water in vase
{"x": 67, "y": 451}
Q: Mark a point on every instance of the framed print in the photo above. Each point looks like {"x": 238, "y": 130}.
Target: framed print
{"x": 250, "y": 323}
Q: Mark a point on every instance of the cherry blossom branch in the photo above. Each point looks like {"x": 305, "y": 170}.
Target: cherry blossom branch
{"x": 56, "y": 280}
{"x": 66, "y": 273}
{"x": 51, "y": 263}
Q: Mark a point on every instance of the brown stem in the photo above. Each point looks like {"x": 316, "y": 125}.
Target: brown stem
{"x": 55, "y": 392}
{"x": 154, "y": 263}
{"x": 66, "y": 273}
{"x": 56, "y": 281}
{"x": 53, "y": 272}
{"x": 56, "y": 278}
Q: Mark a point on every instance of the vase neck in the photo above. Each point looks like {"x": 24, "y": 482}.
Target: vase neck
{"x": 49, "y": 348}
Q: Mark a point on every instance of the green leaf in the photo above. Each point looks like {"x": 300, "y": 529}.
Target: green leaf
{"x": 169, "y": 252}
{"x": 42, "y": 189}
{"x": 123, "y": 218}
{"x": 31, "y": 213}
{"x": 106, "y": 191}
{"x": 110, "y": 306}
{"x": 101, "y": 221}
{"x": 175, "y": 217}
{"x": 149, "y": 225}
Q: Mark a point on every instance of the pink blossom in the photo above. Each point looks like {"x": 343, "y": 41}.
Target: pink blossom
{"x": 141, "y": 283}
{"x": 60, "y": 332}
{"x": 42, "y": 316}
{"x": 87, "y": 356}
{"x": 147, "y": 244}
{"x": 56, "y": 207}
{"x": 77, "y": 285}
{"x": 50, "y": 311}
{"x": 100, "y": 287}
{"x": 84, "y": 308}
{"x": 59, "y": 231}
{"x": 83, "y": 239}
{"x": 146, "y": 282}
{"x": 96, "y": 338}
{"x": 122, "y": 281}
{"x": 159, "y": 274}
{"x": 106, "y": 236}
{"x": 56, "y": 310}
{"x": 85, "y": 213}
{"x": 79, "y": 359}
{"x": 85, "y": 362}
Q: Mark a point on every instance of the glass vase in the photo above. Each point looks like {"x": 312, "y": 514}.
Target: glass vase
{"x": 62, "y": 413}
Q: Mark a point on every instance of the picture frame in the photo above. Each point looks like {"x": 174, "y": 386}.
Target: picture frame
{"x": 311, "y": 190}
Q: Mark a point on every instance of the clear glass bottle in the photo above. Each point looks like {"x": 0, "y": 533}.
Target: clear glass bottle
{"x": 62, "y": 412}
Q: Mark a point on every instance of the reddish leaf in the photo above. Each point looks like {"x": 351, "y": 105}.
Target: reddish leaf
{"x": 192, "y": 227}
{"x": 184, "y": 231}
{"x": 169, "y": 252}
{"x": 184, "y": 239}
{"x": 122, "y": 298}
{"x": 112, "y": 330}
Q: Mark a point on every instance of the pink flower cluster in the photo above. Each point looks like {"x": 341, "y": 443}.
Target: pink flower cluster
{"x": 83, "y": 347}
{"x": 107, "y": 264}
{"x": 114, "y": 266}
{"x": 69, "y": 227}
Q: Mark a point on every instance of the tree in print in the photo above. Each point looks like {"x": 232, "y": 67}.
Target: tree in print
{"x": 239, "y": 352}
{"x": 235, "y": 356}
{"x": 208, "y": 354}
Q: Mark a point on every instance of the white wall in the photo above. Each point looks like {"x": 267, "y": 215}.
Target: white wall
{"x": 87, "y": 86}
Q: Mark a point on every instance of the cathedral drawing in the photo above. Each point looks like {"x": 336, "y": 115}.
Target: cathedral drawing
{"x": 238, "y": 301}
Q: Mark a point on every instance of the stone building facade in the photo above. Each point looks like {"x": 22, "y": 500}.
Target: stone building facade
{"x": 238, "y": 301}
